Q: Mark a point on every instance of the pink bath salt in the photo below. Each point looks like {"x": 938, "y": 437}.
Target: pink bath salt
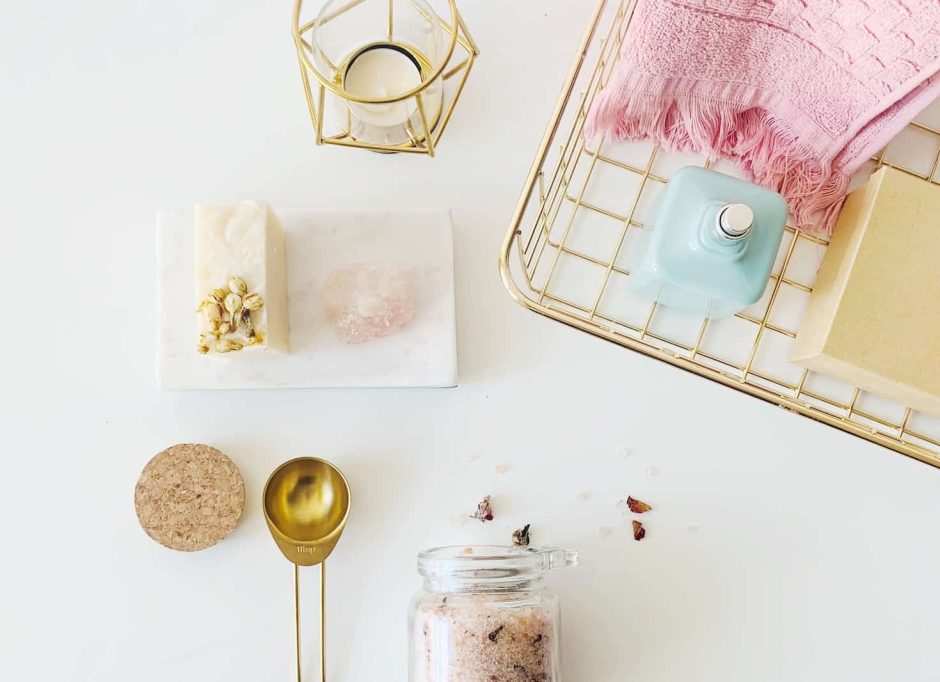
{"x": 366, "y": 301}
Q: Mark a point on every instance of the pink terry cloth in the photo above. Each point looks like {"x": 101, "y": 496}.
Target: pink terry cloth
{"x": 800, "y": 92}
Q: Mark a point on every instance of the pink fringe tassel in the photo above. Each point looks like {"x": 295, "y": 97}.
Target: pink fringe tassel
{"x": 768, "y": 151}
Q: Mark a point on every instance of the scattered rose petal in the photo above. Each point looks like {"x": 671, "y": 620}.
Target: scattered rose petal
{"x": 520, "y": 537}
{"x": 502, "y": 468}
{"x": 637, "y": 506}
{"x": 639, "y": 532}
{"x": 484, "y": 510}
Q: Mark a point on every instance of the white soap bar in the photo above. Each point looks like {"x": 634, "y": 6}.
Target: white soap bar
{"x": 244, "y": 241}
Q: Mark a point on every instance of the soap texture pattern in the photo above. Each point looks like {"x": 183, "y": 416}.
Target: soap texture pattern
{"x": 244, "y": 242}
{"x": 239, "y": 255}
{"x": 800, "y": 93}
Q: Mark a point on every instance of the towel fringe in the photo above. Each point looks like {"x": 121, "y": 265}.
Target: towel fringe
{"x": 769, "y": 152}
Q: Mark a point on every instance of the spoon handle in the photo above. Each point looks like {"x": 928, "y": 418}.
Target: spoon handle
{"x": 297, "y": 614}
{"x": 322, "y": 619}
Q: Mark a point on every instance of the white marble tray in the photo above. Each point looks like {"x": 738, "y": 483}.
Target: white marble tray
{"x": 424, "y": 353}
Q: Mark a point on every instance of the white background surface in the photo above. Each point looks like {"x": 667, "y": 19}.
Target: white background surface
{"x": 811, "y": 555}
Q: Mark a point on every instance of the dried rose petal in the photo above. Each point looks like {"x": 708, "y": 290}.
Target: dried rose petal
{"x": 520, "y": 537}
{"x": 639, "y": 532}
{"x": 637, "y": 506}
{"x": 484, "y": 510}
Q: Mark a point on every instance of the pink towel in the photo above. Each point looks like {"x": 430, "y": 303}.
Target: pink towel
{"x": 800, "y": 92}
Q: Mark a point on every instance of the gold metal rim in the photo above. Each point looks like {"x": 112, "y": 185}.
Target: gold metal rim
{"x": 264, "y": 493}
{"x": 453, "y": 29}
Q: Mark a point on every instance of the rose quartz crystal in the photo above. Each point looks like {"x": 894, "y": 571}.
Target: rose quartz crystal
{"x": 365, "y": 301}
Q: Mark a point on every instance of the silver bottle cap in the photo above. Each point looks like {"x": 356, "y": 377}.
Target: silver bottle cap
{"x": 735, "y": 221}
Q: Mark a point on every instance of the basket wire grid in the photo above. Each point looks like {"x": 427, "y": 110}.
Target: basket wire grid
{"x": 583, "y": 220}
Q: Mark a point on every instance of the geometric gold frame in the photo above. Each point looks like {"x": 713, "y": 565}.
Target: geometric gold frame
{"x": 453, "y": 70}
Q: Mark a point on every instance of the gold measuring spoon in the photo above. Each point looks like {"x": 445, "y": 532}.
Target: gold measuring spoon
{"x": 306, "y": 502}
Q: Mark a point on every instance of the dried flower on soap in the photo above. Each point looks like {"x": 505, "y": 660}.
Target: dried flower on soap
{"x": 212, "y": 312}
{"x": 639, "y": 532}
{"x": 484, "y": 510}
{"x": 637, "y": 506}
{"x": 245, "y": 317}
{"x": 234, "y": 328}
{"x": 252, "y": 302}
{"x": 520, "y": 537}
{"x": 237, "y": 286}
{"x": 228, "y": 346}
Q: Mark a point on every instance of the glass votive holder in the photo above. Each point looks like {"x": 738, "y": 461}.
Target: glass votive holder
{"x": 384, "y": 65}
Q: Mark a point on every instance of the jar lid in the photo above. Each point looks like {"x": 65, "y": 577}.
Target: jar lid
{"x": 493, "y": 562}
{"x": 189, "y": 497}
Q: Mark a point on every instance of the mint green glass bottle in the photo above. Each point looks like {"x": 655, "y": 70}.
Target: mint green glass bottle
{"x": 714, "y": 244}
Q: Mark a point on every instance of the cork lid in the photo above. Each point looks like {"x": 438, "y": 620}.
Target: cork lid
{"x": 189, "y": 497}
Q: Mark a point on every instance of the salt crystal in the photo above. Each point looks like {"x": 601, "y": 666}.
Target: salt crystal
{"x": 502, "y": 468}
{"x": 467, "y": 638}
{"x": 650, "y": 471}
{"x": 365, "y": 301}
{"x": 584, "y": 496}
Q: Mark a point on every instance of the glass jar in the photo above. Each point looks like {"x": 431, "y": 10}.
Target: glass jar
{"x": 484, "y": 615}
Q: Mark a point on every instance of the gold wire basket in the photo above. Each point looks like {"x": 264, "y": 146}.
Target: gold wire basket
{"x": 584, "y": 217}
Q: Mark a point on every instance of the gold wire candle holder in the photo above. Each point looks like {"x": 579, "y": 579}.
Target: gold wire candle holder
{"x": 383, "y": 75}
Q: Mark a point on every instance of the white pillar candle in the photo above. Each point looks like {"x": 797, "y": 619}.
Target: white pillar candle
{"x": 380, "y": 71}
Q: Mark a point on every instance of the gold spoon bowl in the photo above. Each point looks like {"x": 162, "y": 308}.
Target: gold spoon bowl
{"x": 306, "y": 503}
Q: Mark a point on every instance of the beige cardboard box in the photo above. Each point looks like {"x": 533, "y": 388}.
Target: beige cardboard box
{"x": 873, "y": 319}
